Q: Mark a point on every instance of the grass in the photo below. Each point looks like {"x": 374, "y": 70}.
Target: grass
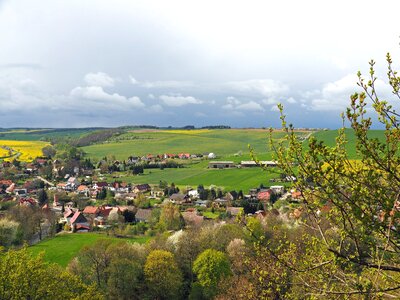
{"x": 210, "y": 214}
{"x": 64, "y": 247}
{"x": 227, "y": 179}
{"x": 222, "y": 142}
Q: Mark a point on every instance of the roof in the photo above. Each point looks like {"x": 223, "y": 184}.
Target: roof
{"x": 6, "y": 182}
{"x": 105, "y": 210}
{"x": 264, "y": 195}
{"x": 143, "y": 187}
{"x": 78, "y": 217}
{"x": 68, "y": 213}
{"x": 82, "y": 226}
{"x": 143, "y": 214}
{"x": 221, "y": 162}
{"x": 101, "y": 184}
{"x": 82, "y": 188}
{"x": 91, "y": 210}
{"x": 178, "y": 196}
{"x": 234, "y": 210}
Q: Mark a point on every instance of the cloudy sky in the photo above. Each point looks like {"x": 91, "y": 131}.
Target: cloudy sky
{"x": 110, "y": 63}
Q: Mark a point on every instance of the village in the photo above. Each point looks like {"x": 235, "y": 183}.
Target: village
{"x": 82, "y": 200}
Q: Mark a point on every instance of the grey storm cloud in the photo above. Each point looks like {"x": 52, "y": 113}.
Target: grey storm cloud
{"x": 73, "y": 63}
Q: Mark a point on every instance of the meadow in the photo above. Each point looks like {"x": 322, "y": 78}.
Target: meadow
{"x": 64, "y": 247}
{"x": 222, "y": 142}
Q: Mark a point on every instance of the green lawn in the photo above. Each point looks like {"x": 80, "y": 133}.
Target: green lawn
{"x": 64, "y": 247}
{"x": 210, "y": 215}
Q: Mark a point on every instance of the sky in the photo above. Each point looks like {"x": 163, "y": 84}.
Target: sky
{"x": 67, "y": 63}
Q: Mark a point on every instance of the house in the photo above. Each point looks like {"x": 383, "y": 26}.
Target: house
{"x": 248, "y": 163}
{"x": 211, "y": 156}
{"x": 168, "y": 155}
{"x": 179, "y": 198}
{"x": 234, "y": 211}
{"x": 79, "y": 223}
{"x": 82, "y": 189}
{"x": 268, "y": 163}
{"x": 278, "y": 189}
{"x": 21, "y": 192}
{"x": 27, "y": 202}
{"x": 193, "y": 194}
{"x": 296, "y": 195}
{"x": 221, "y": 164}
{"x": 142, "y": 188}
{"x": 143, "y": 215}
{"x": 91, "y": 211}
{"x": 184, "y": 155}
{"x": 133, "y": 160}
{"x": 100, "y": 185}
{"x": 72, "y": 183}
{"x": 265, "y": 195}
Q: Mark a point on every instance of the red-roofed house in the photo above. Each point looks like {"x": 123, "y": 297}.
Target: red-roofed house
{"x": 79, "y": 223}
{"x": 264, "y": 196}
{"x": 91, "y": 210}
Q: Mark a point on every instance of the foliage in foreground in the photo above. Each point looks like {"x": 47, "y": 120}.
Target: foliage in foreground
{"x": 352, "y": 208}
{"x": 25, "y": 277}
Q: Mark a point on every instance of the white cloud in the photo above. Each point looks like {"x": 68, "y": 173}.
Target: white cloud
{"x": 95, "y": 93}
{"x": 99, "y": 79}
{"x": 136, "y": 102}
{"x": 234, "y": 104}
{"x": 113, "y": 101}
{"x": 133, "y": 80}
{"x": 259, "y": 87}
{"x": 178, "y": 100}
{"x": 291, "y": 100}
{"x": 151, "y": 96}
{"x": 334, "y": 96}
{"x": 250, "y": 106}
{"x": 161, "y": 83}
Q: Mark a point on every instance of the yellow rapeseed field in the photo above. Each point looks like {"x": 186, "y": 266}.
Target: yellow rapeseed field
{"x": 28, "y": 150}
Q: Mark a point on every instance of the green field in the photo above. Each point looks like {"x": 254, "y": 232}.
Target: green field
{"x": 43, "y": 134}
{"x": 222, "y": 142}
{"x": 64, "y": 247}
{"x": 226, "y": 143}
{"x": 228, "y": 179}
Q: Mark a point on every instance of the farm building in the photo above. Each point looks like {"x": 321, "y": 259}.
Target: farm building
{"x": 252, "y": 163}
{"x": 221, "y": 164}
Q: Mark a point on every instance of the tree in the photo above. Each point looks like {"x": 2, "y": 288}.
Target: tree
{"x": 210, "y": 267}
{"x": 92, "y": 263}
{"x": 49, "y": 151}
{"x": 171, "y": 218}
{"x": 42, "y": 197}
{"x": 162, "y": 275}
{"x": 26, "y": 276}
{"x": 8, "y": 232}
{"x": 355, "y": 248}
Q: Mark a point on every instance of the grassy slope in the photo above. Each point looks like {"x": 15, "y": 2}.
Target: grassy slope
{"x": 62, "y": 248}
{"x": 225, "y": 143}
{"x": 329, "y": 138}
{"x": 222, "y": 142}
